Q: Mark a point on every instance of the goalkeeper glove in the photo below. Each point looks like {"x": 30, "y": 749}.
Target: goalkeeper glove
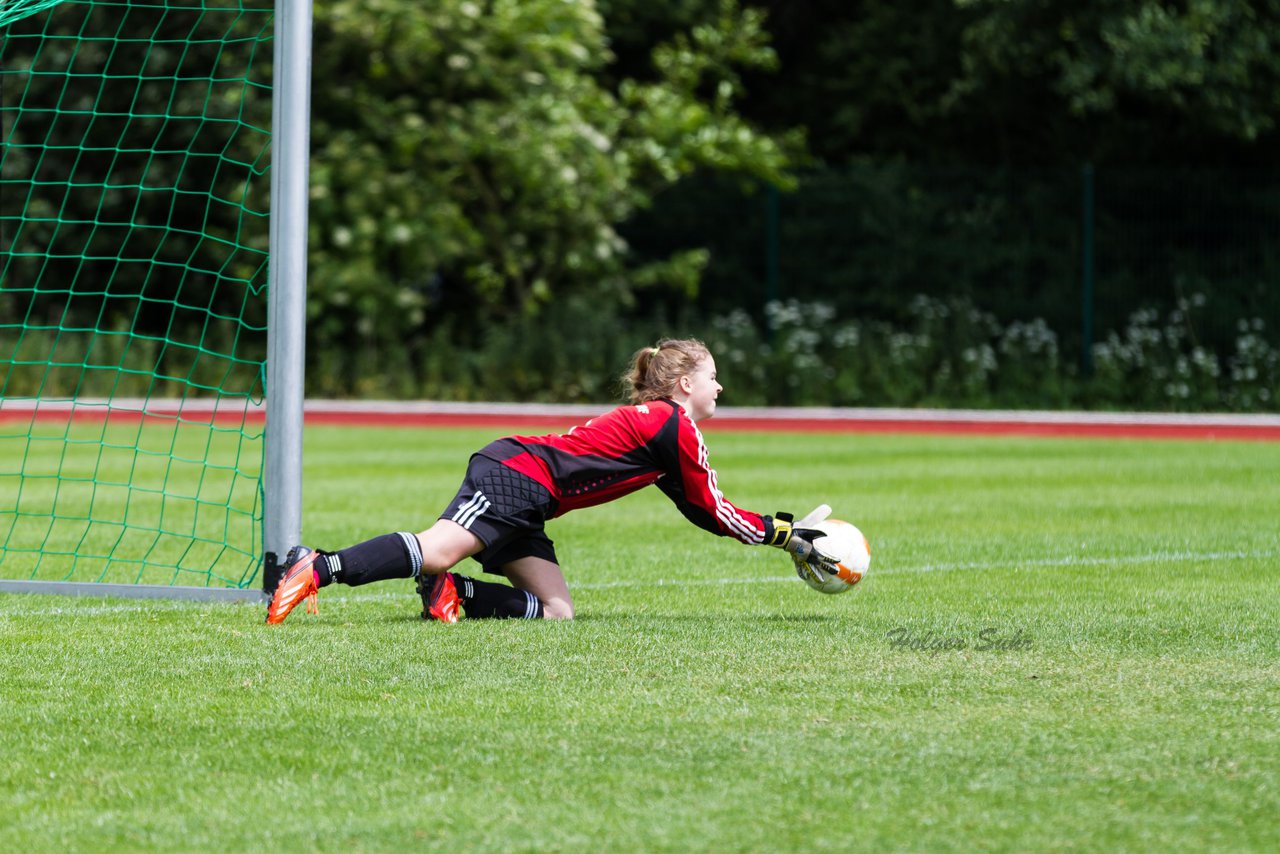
{"x": 816, "y": 568}
{"x": 797, "y": 537}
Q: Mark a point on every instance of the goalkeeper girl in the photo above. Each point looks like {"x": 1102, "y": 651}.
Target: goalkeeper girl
{"x": 515, "y": 484}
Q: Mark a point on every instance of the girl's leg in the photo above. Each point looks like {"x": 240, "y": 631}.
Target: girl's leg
{"x": 544, "y": 580}
{"x": 440, "y": 547}
{"x": 399, "y": 555}
{"x": 444, "y": 544}
{"x": 537, "y": 590}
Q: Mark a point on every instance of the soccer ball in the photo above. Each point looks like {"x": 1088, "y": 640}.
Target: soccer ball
{"x": 844, "y": 544}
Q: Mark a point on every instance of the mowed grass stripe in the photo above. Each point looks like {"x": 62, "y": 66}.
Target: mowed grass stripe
{"x": 1124, "y": 694}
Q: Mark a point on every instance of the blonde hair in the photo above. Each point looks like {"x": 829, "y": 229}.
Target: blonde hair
{"x": 655, "y": 371}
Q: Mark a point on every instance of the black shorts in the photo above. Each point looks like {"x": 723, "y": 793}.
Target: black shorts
{"x": 506, "y": 510}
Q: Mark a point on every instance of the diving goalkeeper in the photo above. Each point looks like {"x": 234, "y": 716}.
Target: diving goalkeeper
{"x": 515, "y": 484}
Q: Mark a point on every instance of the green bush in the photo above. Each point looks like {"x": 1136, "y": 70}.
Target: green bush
{"x": 1157, "y": 363}
{"x": 946, "y": 354}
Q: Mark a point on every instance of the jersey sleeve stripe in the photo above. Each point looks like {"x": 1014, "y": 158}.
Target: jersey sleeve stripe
{"x": 728, "y": 515}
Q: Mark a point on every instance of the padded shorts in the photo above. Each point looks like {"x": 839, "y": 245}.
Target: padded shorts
{"x": 506, "y": 510}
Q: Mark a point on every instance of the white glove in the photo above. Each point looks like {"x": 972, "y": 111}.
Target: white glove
{"x": 816, "y": 515}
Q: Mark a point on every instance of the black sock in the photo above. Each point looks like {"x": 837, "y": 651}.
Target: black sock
{"x": 389, "y": 556}
{"x": 484, "y": 599}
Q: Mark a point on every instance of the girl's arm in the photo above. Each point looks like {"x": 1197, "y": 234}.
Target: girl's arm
{"x": 693, "y": 488}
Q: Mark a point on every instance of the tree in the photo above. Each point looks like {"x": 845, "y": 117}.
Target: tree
{"x": 1210, "y": 62}
{"x": 864, "y": 78}
{"x": 468, "y": 158}
{"x": 1027, "y": 81}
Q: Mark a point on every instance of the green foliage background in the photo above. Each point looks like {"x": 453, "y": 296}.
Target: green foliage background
{"x": 927, "y": 149}
{"x": 507, "y": 195}
{"x": 471, "y": 162}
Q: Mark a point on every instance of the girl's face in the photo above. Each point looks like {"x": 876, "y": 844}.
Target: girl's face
{"x": 700, "y": 390}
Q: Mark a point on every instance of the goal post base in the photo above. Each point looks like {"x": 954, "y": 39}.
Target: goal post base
{"x": 134, "y": 591}
{"x": 272, "y": 572}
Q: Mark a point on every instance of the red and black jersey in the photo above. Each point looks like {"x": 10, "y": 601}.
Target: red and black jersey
{"x": 623, "y": 450}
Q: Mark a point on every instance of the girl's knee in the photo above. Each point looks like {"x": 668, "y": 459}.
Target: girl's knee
{"x": 444, "y": 544}
{"x": 557, "y": 609}
{"x": 434, "y": 563}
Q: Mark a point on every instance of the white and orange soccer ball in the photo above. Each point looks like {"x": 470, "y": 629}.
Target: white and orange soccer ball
{"x": 845, "y": 545}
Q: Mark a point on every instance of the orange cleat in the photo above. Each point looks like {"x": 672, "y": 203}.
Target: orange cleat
{"x": 298, "y": 583}
{"x": 439, "y": 597}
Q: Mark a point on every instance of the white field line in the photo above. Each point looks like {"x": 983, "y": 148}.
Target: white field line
{"x": 83, "y": 606}
{"x": 1045, "y": 563}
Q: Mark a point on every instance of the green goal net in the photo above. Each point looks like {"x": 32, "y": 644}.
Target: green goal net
{"x": 134, "y": 191}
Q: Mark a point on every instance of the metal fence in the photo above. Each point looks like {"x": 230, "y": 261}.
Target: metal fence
{"x": 1082, "y": 248}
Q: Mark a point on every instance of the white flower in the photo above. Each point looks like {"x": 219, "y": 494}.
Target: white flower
{"x": 597, "y": 140}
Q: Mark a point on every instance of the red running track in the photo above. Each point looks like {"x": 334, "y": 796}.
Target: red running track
{"x": 506, "y": 417}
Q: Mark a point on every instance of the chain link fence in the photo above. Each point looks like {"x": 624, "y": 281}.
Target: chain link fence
{"x": 1083, "y": 249}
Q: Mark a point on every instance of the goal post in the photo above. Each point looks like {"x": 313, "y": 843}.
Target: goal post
{"x": 287, "y": 309}
{"x": 152, "y": 294}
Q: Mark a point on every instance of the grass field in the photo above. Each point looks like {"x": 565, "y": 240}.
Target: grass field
{"x": 1062, "y": 644}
